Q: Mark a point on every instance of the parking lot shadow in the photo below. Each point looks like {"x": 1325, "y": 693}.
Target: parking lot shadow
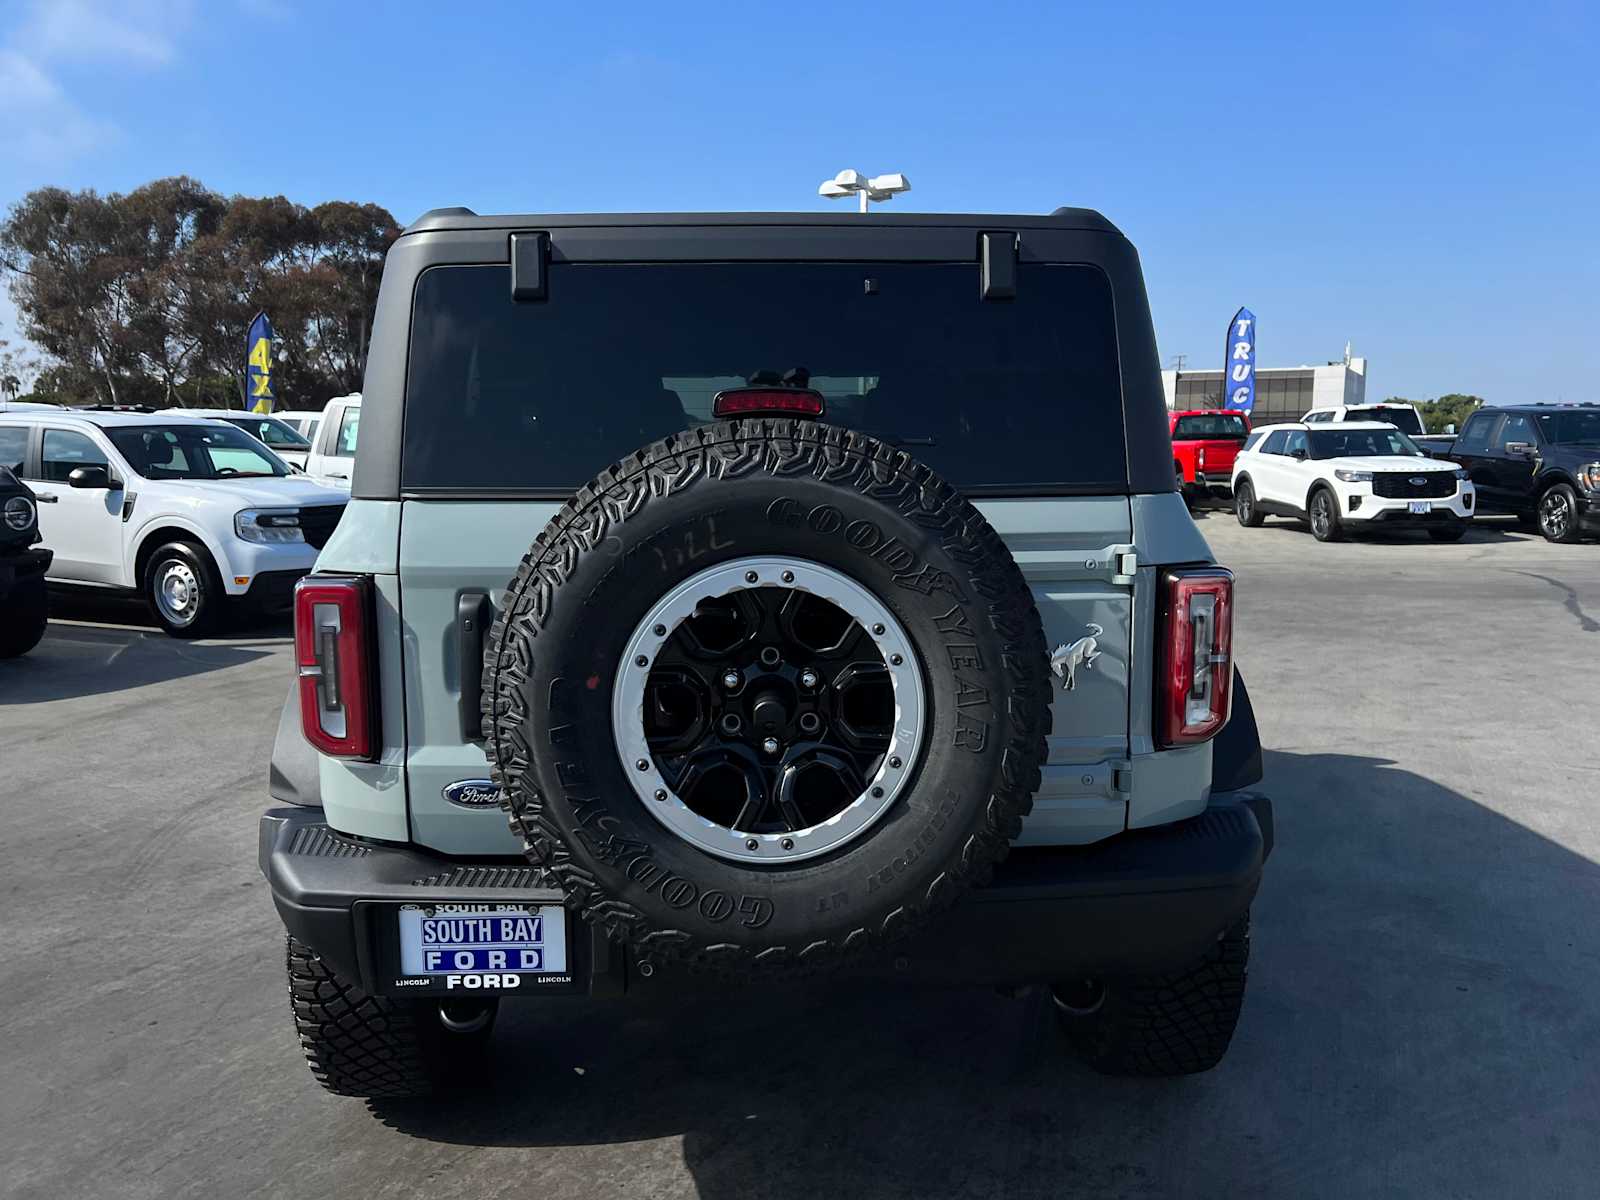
{"x": 1421, "y": 1021}
{"x": 1483, "y": 530}
{"x": 84, "y": 660}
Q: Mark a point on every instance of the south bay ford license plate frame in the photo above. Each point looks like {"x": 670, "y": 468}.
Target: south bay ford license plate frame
{"x": 456, "y": 948}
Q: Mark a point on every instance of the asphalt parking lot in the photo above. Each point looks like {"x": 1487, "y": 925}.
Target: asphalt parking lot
{"x": 1421, "y": 1020}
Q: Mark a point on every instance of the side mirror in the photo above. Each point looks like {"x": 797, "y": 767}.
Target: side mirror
{"x": 89, "y": 477}
{"x": 1450, "y": 428}
{"x": 1520, "y": 449}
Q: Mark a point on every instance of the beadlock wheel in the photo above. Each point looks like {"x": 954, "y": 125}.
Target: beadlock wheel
{"x": 768, "y": 709}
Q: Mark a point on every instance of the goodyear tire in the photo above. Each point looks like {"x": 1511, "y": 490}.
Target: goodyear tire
{"x": 24, "y": 615}
{"x": 714, "y": 645}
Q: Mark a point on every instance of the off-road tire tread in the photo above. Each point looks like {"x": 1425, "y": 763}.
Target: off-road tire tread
{"x": 1179, "y": 1023}
{"x": 779, "y": 447}
{"x": 355, "y": 1044}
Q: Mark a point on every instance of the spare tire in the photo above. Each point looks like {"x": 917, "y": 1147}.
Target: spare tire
{"x": 768, "y": 693}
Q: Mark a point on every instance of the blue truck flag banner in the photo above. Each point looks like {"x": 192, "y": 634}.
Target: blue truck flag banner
{"x": 258, "y": 365}
{"x": 1239, "y": 368}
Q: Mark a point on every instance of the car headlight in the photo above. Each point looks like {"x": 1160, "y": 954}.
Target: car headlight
{"x": 1461, "y": 472}
{"x": 1590, "y": 475}
{"x": 19, "y": 513}
{"x": 1353, "y": 476}
{"x": 271, "y": 525}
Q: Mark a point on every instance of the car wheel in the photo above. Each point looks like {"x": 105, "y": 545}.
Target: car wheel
{"x": 1244, "y": 505}
{"x": 1323, "y": 515}
{"x": 1558, "y": 514}
{"x": 183, "y": 590}
{"x": 378, "y": 1048}
{"x": 766, "y": 698}
{"x": 23, "y": 618}
{"x": 1179, "y": 1023}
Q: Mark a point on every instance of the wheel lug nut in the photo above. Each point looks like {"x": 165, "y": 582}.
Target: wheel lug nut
{"x": 731, "y": 680}
{"x": 808, "y": 678}
{"x": 770, "y": 745}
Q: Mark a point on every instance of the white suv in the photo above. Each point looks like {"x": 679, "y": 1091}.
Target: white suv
{"x": 195, "y": 515}
{"x": 1349, "y": 474}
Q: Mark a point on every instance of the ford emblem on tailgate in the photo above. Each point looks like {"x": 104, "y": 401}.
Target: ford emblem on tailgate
{"x": 472, "y": 793}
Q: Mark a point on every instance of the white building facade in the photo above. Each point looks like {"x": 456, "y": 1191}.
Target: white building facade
{"x": 1282, "y": 393}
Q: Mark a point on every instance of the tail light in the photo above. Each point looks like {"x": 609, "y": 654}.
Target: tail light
{"x": 334, "y": 651}
{"x": 1200, "y": 456}
{"x": 1194, "y": 691}
{"x": 767, "y": 401}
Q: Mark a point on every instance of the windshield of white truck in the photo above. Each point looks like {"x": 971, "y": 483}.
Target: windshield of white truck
{"x": 194, "y": 452}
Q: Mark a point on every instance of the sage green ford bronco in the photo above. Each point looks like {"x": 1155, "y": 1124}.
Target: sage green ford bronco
{"x": 727, "y": 597}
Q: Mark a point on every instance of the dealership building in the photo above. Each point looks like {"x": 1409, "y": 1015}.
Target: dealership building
{"x": 1282, "y": 393}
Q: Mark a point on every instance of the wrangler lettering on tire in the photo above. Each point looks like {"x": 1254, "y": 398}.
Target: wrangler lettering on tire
{"x": 799, "y": 734}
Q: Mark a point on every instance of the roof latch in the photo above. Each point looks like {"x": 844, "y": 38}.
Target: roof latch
{"x": 999, "y": 254}
{"x": 529, "y": 254}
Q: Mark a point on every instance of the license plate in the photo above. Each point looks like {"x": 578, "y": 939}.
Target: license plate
{"x": 456, "y": 947}
{"x": 1421, "y": 506}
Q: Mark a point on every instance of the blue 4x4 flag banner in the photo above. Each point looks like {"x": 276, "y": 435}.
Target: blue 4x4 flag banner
{"x": 1239, "y": 368}
{"x": 258, "y": 365}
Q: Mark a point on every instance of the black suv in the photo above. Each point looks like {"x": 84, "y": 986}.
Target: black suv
{"x": 23, "y": 606}
{"x": 1539, "y": 461}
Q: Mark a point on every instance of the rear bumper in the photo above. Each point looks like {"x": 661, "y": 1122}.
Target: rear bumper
{"x": 1209, "y": 484}
{"x": 22, "y": 567}
{"x": 1146, "y": 901}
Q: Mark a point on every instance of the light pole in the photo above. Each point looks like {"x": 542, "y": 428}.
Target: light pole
{"x": 879, "y": 187}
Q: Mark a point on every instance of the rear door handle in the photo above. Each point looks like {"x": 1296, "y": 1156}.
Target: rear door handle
{"x": 473, "y": 616}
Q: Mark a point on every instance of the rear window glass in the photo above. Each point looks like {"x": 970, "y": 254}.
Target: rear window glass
{"x": 1211, "y": 425}
{"x": 994, "y": 395}
{"x": 1403, "y": 419}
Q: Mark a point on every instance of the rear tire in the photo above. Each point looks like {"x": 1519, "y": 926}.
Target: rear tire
{"x": 1244, "y": 505}
{"x": 183, "y": 590}
{"x": 1322, "y": 513}
{"x": 1174, "y": 1024}
{"x": 374, "y": 1047}
{"x": 23, "y": 618}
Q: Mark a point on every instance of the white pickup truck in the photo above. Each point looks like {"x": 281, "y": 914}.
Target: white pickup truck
{"x": 195, "y": 515}
{"x": 333, "y": 450}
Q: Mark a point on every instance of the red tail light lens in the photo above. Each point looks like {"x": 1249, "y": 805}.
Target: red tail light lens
{"x": 334, "y": 652}
{"x": 1194, "y": 693}
{"x": 774, "y": 401}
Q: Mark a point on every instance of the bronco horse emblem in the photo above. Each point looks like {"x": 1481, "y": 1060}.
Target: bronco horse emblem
{"x": 1067, "y": 659}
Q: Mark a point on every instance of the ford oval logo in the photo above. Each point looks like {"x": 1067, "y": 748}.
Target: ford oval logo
{"x": 473, "y": 793}
{"x": 1419, "y": 480}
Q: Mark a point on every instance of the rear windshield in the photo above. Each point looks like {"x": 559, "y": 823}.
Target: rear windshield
{"x": 1211, "y": 425}
{"x": 1404, "y": 419}
{"x": 1334, "y": 442}
{"x": 1011, "y": 395}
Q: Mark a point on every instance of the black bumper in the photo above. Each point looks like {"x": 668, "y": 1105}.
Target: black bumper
{"x": 272, "y": 591}
{"x": 1146, "y": 901}
{"x": 20, "y": 567}
{"x": 1588, "y": 512}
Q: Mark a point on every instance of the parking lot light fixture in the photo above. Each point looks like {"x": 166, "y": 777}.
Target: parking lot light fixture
{"x": 877, "y": 189}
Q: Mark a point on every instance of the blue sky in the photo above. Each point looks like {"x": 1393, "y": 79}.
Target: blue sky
{"x": 1421, "y": 180}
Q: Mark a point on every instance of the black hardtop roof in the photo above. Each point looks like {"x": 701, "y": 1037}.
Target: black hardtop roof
{"x": 464, "y": 218}
{"x": 1543, "y": 406}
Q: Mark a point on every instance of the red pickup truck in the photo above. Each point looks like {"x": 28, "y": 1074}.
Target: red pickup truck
{"x": 1204, "y": 442}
